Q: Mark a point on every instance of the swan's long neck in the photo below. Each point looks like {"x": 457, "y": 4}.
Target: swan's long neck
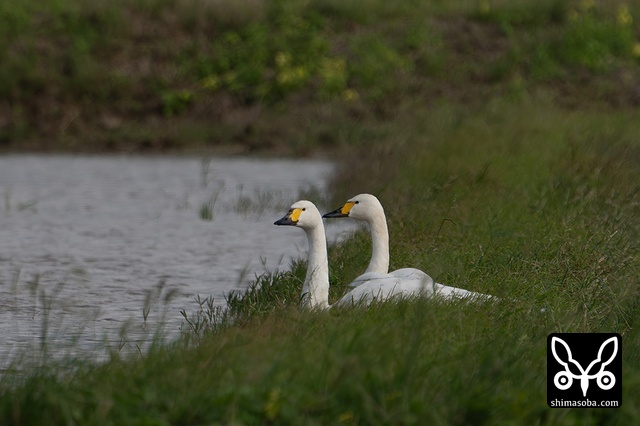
{"x": 315, "y": 291}
{"x": 380, "y": 244}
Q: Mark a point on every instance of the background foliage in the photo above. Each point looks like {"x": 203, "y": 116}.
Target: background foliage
{"x": 133, "y": 75}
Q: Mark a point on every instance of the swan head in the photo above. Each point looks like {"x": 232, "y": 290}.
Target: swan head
{"x": 362, "y": 207}
{"x": 303, "y": 214}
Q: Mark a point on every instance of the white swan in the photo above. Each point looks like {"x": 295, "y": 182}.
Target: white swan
{"x": 368, "y": 208}
{"x": 371, "y": 285}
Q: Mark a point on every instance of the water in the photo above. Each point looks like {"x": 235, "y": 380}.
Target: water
{"x": 101, "y": 250}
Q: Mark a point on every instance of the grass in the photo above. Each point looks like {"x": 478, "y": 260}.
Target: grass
{"x": 521, "y": 199}
{"x": 513, "y": 187}
{"x": 511, "y": 171}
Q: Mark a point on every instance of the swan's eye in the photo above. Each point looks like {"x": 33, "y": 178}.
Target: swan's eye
{"x": 304, "y": 209}
{"x": 357, "y": 202}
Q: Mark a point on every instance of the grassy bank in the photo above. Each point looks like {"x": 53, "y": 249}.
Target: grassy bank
{"x": 520, "y": 199}
{"x": 508, "y": 167}
{"x": 289, "y": 76}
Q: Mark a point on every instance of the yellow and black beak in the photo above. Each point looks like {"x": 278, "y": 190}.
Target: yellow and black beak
{"x": 341, "y": 212}
{"x": 290, "y": 219}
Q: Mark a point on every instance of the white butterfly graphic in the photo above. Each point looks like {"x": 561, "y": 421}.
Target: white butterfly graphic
{"x": 564, "y": 379}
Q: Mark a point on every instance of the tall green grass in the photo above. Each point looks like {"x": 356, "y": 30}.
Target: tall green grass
{"x": 404, "y": 363}
{"x": 513, "y": 186}
{"x": 522, "y": 199}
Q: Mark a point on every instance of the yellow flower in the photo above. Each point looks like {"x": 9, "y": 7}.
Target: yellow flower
{"x": 210, "y": 82}
{"x": 284, "y": 77}
{"x": 282, "y": 59}
{"x": 350, "y": 95}
{"x": 300, "y": 73}
{"x": 293, "y": 76}
{"x": 624, "y": 17}
{"x": 273, "y": 404}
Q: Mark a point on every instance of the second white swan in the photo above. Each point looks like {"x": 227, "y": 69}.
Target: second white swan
{"x": 367, "y": 208}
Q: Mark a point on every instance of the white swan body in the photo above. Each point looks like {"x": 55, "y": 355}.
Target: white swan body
{"x": 367, "y": 208}
{"x": 368, "y": 287}
{"x": 400, "y": 274}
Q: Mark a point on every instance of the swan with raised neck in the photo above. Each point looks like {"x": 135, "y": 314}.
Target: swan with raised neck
{"x": 315, "y": 290}
{"x": 367, "y": 207}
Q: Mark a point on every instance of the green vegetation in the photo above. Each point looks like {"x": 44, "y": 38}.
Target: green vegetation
{"x": 502, "y": 138}
{"x": 275, "y": 76}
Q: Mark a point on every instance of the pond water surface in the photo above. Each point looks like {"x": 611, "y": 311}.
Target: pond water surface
{"x": 97, "y": 250}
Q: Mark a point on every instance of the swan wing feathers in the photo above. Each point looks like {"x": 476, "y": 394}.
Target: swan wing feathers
{"x": 366, "y": 278}
{"x": 454, "y": 293}
{"x": 403, "y": 274}
{"x": 406, "y": 282}
{"x": 376, "y": 286}
{"x": 410, "y": 274}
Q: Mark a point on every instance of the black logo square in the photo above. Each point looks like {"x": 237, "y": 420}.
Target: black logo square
{"x": 584, "y": 370}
